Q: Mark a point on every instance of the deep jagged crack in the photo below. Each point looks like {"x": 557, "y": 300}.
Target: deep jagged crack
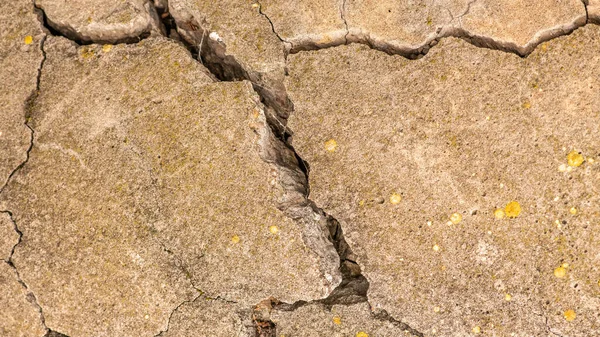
{"x": 353, "y": 287}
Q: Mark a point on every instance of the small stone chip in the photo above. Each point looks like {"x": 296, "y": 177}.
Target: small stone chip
{"x": 512, "y": 209}
{"x": 235, "y": 239}
{"x": 573, "y": 210}
{"x": 456, "y": 218}
{"x": 436, "y": 248}
{"x": 476, "y": 329}
{"x": 574, "y": 159}
{"x": 560, "y": 272}
{"x": 499, "y": 213}
{"x": 330, "y": 145}
{"x": 337, "y": 320}
{"x": 436, "y": 309}
{"x": 28, "y": 39}
{"x": 570, "y": 315}
{"x": 362, "y": 334}
{"x": 395, "y": 198}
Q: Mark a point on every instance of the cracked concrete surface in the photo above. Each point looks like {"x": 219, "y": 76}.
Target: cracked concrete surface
{"x": 292, "y": 168}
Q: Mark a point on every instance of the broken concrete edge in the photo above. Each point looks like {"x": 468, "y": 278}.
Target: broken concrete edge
{"x": 360, "y": 36}
{"x": 106, "y": 33}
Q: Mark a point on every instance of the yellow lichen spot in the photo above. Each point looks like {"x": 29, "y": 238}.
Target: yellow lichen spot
{"x": 28, "y": 39}
{"x": 476, "y": 329}
{"x": 255, "y": 5}
{"x": 87, "y": 52}
{"x": 429, "y": 21}
{"x": 337, "y": 320}
{"x": 106, "y": 48}
{"x": 362, "y": 334}
{"x": 456, "y": 218}
{"x": 499, "y": 213}
{"x": 526, "y": 105}
{"x": 436, "y": 248}
{"x": 573, "y": 210}
{"x": 560, "y": 272}
{"x": 146, "y": 317}
{"x": 574, "y": 159}
{"x": 273, "y": 229}
{"x": 570, "y": 315}
{"x": 395, "y": 198}
{"x": 436, "y": 309}
{"x": 235, "y": 239}
{"x": 512, "y": 209}
{"x": 330, "y": 145}
{"x": 89, "y": 19}
{"x": 508, "y": 297}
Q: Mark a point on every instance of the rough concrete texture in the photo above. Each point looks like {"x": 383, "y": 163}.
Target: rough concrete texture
{"x": 396, "y": 147}
{"x": 317, "y": 320}
{"x": 209, "y": 317}
{"x": 20, "y": 59}
{"x": 105, "y": 21}
{"x": 444, "y": 177}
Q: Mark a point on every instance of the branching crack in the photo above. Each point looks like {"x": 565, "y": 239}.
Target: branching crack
{"x": 173, "y": 312}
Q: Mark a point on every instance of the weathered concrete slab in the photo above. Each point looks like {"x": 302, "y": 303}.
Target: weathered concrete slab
{"x": 20, "y": 58}
{"x": 396, "y": 147}
{"x": 317, "y": 320}
{"x": 410, "y": 24}
{"x": 146, "y": 177}
{"x": 105, "y": 21}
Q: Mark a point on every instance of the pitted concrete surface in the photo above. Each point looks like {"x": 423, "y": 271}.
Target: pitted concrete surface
{"x": 299, "y": 168}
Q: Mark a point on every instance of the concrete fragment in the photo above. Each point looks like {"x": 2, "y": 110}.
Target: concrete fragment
{"x": 20, "y": 58}
{"x": 317, "y": 320}
{"x": 111, "y": 21}
{"x": 146, "y": 177}
{"x": 396, "y": 147}
{"x": 503, "y": 24}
